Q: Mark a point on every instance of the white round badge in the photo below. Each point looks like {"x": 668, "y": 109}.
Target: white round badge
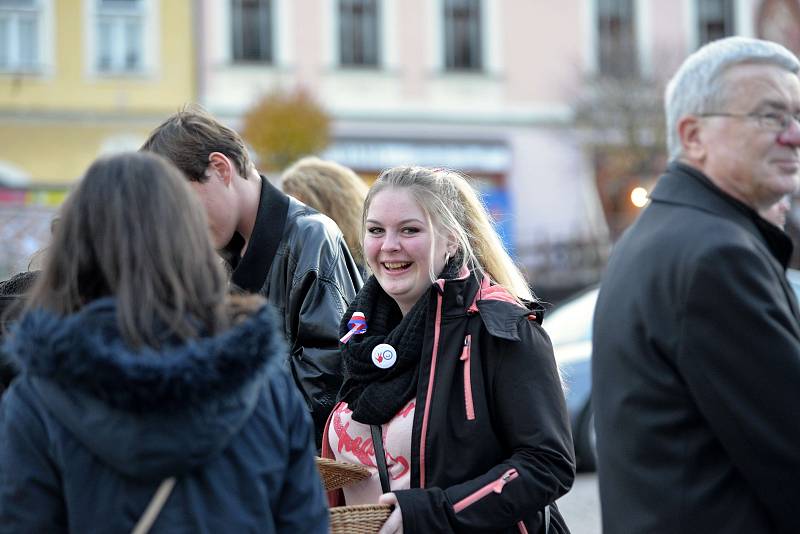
{"x": 384, "y": 356}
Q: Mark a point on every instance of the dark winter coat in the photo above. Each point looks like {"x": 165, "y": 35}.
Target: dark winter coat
{"x": 696, "y": 369}
{"x": 491, "y": 445}
{"x": 91, "y": 427}
{"x": 298, "y": 259}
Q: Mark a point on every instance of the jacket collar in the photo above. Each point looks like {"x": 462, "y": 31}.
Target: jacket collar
{"x": 498, "y": 309}
{"x": 684, "y": 185}
{"x": 457, "y": 293}
{"x": 252, "y": 269}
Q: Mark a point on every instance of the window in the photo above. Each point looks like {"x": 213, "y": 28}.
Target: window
{"x": 462, "y": 35}
{"x": 119, "y": 44}
{"x": 20, "y": 26}
{"x": 714, "y": 20}
{"x": 358, "y": 33}
{"x": 252, "y": 30}
{"x": 616, "y": 39}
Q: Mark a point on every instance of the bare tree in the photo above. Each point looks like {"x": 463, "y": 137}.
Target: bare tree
{"x": 622, "y": 119}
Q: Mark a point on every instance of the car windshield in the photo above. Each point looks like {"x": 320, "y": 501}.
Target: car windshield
{"x": 571, "y": 322}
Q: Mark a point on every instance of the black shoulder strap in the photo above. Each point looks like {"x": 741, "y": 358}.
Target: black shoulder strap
{"x": 380, "y": 457}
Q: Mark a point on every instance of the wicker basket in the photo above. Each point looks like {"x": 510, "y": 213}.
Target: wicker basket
{"x": 337, "y": 474}
{"x": 359, "y": 519}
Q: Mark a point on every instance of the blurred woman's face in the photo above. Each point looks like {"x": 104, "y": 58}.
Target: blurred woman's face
{"x": 400, "y": 247}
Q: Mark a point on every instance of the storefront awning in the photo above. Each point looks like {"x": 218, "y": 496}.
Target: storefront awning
{"x": 363, "y": 155}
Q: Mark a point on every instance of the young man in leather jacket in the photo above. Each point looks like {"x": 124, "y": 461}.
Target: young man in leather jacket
{"x": 273, "y": 245}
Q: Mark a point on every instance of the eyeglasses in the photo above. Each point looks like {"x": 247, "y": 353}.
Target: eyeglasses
{"x": 773, "y": 120}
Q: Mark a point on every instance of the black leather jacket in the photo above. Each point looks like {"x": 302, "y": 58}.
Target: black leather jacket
{"x": 12, "y": 294}
{"x": 298, "y": 259}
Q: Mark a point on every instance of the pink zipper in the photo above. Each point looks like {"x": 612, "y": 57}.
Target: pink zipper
{"x": 465, "y": 356}
{"x": 424, "y": 433}
{"x": 522, "y": 528}
{"x": 495, "y": 486}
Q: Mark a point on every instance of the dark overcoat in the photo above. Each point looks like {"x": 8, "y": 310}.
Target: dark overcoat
{"x": 696, "y": 369}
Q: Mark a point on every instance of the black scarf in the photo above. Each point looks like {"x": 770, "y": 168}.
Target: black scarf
{"x": 376, "y": 395}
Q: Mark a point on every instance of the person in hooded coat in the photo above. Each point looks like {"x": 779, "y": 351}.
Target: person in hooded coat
{"x": 139, "y": 371}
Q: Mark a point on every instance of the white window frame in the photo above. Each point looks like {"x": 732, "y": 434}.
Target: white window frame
{"x": 744, "y": 12}
{"x": 150, "y": 41}
{"x": 387, "y": 36}
{"x": 221, "y": 50}
{"x": 743, "y": 21}
{"x": 43, "y": 63}
{"x": 378, "y": 39}
{"x": 481, "y": 59}
{"x": 271, "y": 35}
{"x": 642, "y": 31}
{"x": 693, "y": 15}
{"x": 491, "y": 43}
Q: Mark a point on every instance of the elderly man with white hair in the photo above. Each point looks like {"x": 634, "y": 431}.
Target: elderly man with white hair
{"x": 696, "y": 363}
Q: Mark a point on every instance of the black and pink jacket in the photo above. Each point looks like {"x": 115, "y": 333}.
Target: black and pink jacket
{"x": 491, "y": 443}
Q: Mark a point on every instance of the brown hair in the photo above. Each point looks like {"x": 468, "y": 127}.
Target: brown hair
{"x": 189, "y": 136}
{"x": 133, "y": 229}
{"x": 332, "y": 189}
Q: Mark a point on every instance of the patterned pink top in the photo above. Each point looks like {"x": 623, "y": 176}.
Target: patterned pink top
{"x": 351, "y": 442}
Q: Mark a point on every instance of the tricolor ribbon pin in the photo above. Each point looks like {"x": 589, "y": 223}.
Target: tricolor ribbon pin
{"x": 357, "y": 324}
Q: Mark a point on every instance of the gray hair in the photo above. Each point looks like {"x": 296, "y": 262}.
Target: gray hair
{"x": 696, "y": 87}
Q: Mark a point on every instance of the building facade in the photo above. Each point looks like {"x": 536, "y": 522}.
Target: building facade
{"x": 78, "y": 79}
{"x": 488, "y": 87}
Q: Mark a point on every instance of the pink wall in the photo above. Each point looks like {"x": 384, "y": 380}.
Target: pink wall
{"x": 670, "y": 36}
{"x": 307, "y": 39}
{"x": 412, "y": 46}
{"x": 542, "y": 48}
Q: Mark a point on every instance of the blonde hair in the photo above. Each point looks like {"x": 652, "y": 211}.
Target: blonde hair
{"x": 453, "y": 208}
{"x": 332, "y": 189}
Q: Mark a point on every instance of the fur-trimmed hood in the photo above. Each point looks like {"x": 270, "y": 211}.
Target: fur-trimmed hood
{"x": 145, "y": 412}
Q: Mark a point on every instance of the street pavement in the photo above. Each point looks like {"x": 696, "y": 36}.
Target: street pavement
{"x": 581, "y": 506}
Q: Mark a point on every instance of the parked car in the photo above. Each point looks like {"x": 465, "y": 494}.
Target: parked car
{"x": 570, "y": 328}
